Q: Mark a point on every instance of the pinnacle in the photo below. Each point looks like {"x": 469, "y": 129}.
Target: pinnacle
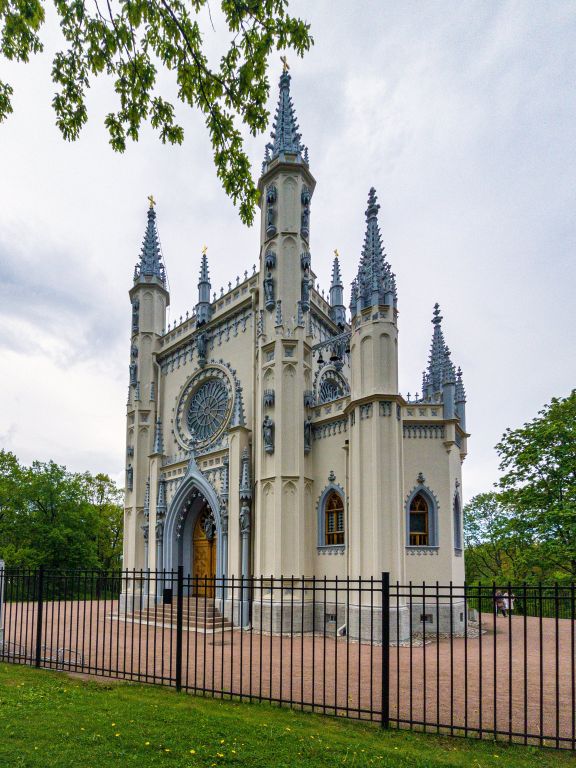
{"x": 336, "y": 276}
{"x": 204, "y": 274}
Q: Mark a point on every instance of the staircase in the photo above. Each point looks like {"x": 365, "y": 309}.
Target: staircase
{"x": 199, "y": 614}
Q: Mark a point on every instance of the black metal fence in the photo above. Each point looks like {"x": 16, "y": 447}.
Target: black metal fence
{"x": 482, "y": 661}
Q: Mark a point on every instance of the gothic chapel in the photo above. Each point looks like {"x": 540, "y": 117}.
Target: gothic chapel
{"x": 266, "y": 433}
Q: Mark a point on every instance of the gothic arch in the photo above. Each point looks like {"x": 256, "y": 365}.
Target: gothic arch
{"x": 183, "y": 511}
{"x": 433, "y": 507}
{"x": 331, "y": 487}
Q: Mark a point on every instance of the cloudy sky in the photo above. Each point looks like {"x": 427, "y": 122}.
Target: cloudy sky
{"x": 461, "y": 114}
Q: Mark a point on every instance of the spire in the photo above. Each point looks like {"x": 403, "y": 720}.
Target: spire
{"x": 204, "y": 308}
{"x": 375, "y": 283}
{"x": 285, "y": 137}
{"x": 436, "y": 360}
{"x": 338, "y": 310}
{"x": 150, "y": 264}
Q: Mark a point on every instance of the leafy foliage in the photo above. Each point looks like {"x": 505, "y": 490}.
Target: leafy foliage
{"x": 527, "y": 530}
{"x": 57, "y": 518}
{"x": 130, "y": 40}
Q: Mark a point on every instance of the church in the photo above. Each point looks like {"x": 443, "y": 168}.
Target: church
{"x": 266, "y": 433}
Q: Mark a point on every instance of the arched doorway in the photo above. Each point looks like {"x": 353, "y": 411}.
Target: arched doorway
{"x": 204, "y": 548}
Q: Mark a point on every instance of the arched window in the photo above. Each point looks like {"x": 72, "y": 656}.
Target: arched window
{"x": 457, "y": 525}
{"x": 333, "y": 519}
{"x": 419, "y": 522}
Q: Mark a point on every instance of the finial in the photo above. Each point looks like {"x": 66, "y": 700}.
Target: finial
{"x": 204, "y": 249}
{"x": 437, "y": 317}
{"x": 285, "y": 65}
{"x": 336, "y": 252}
{"x": 373, "y": 205}
{"x": 151, "y": 201}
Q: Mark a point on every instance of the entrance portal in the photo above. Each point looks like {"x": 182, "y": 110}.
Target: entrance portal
{"x": 204, "y": 554}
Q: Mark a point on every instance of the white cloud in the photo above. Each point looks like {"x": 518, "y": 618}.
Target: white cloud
{"x": 462, "y": 117}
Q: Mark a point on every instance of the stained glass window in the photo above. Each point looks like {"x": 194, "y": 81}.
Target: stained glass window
{"x": 334, "y": 511}
{"x": 419, "y": 532}
{"x": 207, "y": 410}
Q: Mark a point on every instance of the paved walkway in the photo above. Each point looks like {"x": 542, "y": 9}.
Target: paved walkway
{"x": 516, "y": 677}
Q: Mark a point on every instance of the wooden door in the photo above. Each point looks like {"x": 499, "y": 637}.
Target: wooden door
{"x": 204, "y": 555}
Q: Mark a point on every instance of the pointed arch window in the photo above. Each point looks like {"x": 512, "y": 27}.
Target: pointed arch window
{"x": 333, "y": 519}
{"x": 419, "y": 519}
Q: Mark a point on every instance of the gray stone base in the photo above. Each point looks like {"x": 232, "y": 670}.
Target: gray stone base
{"x": 442, "y": 618}
{"x": 362, "y": 623}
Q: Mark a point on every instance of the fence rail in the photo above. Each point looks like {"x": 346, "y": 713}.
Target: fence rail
{"x": 473, "y": 660}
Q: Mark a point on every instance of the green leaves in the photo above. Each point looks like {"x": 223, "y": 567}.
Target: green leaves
{"x": 529, "y": 528}
{"x": 57, "y": 518}
{"x": 131, "y": 40}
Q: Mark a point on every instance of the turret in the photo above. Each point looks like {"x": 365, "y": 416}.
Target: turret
{"x": 144, "y": 444}
{"x": 337, "y": 308}
{"x": 281, "y": 453}
{"x": 375, "y": 413}
{"x": 204, "y": 307}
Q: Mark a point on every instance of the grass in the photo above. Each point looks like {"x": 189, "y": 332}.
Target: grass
{"x": 51, "y": 720}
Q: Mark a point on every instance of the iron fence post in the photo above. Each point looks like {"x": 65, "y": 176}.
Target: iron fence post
{"x": 2, "y": 580}
{"x": 39, "y": 611}
{"x": 385, "y": 720}
{"x": 179, "y": 626}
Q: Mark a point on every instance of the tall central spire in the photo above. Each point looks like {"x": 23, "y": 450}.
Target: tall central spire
{"x": 285, "y": 137}
{"x": 150, "y": 264}
{"x": 375, "y": 283}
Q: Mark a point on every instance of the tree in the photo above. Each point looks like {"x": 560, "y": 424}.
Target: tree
{"x": 106, "y": 499}
{"x": 490, "y": 550}
{"x": 539, "y": 483}
{"x": 130, "y": 40}
{"x": 56, "y": 518}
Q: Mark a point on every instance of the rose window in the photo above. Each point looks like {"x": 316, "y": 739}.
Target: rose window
{"x": 208, "y": 409}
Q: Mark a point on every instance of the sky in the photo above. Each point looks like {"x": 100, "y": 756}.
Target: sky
{"x": 462, "y": 115}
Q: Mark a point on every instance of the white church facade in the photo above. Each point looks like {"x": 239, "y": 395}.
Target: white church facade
{"x": 266, "y": 433}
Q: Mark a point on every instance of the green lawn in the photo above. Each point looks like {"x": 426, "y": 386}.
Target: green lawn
{"x": 52, "y": 720}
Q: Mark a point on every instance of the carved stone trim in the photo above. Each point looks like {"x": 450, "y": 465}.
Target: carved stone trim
{"x": 331, "y": 549}
{"x": 419, "y": 551}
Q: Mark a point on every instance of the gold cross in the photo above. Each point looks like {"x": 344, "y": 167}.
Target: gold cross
{"x": 336, "y": 252}
{"x": 151, "y": 201}
{"x": 204, "y": 250}
{"x": 284, "y": 61}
